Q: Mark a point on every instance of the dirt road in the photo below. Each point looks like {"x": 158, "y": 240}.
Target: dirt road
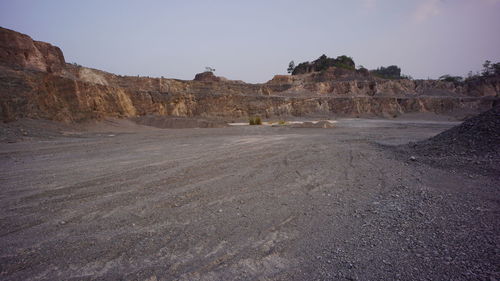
{"x": 243, "y": 203}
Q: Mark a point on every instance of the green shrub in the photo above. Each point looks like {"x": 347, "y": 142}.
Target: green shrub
{"x": 390, "y": 72}
{"x": 449, "y": 78}
{"x": 254, "y": 121}
{"x": 323, "y": 63}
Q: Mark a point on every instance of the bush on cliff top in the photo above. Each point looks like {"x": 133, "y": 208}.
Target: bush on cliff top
{"x": 390, "y": 72}
{"x": 323, "y": 63}
{"x": 453, "y": 79}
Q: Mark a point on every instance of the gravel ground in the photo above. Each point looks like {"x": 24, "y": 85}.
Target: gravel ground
{"x": 244, "y": 203}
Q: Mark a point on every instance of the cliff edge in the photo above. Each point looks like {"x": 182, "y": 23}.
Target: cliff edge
{"x": 20, "y": 51}
{"x": 35, "y": 82}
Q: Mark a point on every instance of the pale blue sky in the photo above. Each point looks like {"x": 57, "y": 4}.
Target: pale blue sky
{"x": 254, "y": 40}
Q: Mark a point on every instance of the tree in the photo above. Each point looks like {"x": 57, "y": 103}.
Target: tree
{"x": 449, "y": 78}
{"x": 496, "y": 68}
{"x": 390, "y": 72}
{"x": 490, "y": 69}
{"x": 324, "y": 63}
{"x": 291, "y": 67}
{"x": 487, "y": 68}
{"x": 345, "y": 62}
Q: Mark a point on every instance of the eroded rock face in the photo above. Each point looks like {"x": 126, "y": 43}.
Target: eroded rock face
{"x": 70, "y": 93}
{"x": 19, "y": 50}
{"x": 341, "y": 82}
{"x": 43, "y": 95}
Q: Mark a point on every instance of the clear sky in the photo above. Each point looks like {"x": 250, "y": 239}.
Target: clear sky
{"x": 256, "y": 39}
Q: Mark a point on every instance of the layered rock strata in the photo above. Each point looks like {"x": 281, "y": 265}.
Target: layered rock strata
{"x": 35, "y": 82}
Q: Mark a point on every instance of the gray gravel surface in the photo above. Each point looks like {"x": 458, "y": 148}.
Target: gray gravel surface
{"x": 244, "y": 203}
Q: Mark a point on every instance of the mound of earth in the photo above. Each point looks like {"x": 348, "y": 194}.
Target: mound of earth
{"x": 207, "y": 76}
{"x": 473, "y": 145}
{"x": 41, "y": 129}
{"x": 479, "y": 135}
{"x": 30, "y": 129}
{"x": 167, "y": 122}
{"x": 320, "y": 124}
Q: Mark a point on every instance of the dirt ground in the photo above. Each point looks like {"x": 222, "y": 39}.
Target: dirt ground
{"x": 129, "y": 202}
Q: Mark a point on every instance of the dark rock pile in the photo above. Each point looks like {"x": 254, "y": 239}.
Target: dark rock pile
{"x": 478, "y": 136}
{"x": 472, "y": 147}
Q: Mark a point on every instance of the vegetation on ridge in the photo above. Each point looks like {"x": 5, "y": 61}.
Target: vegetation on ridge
{"x": 321, "y": 64}
{"x": 390, "y": 72}
{"x": 345, "y": 62}
{"x": 489, "y": 70}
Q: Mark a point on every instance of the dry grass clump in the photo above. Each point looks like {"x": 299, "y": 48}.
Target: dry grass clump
{"x": 255, "y": 120}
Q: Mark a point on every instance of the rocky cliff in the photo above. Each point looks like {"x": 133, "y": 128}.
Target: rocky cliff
{"x": 19, "y": 50}
{"x": 35, "y": 82}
